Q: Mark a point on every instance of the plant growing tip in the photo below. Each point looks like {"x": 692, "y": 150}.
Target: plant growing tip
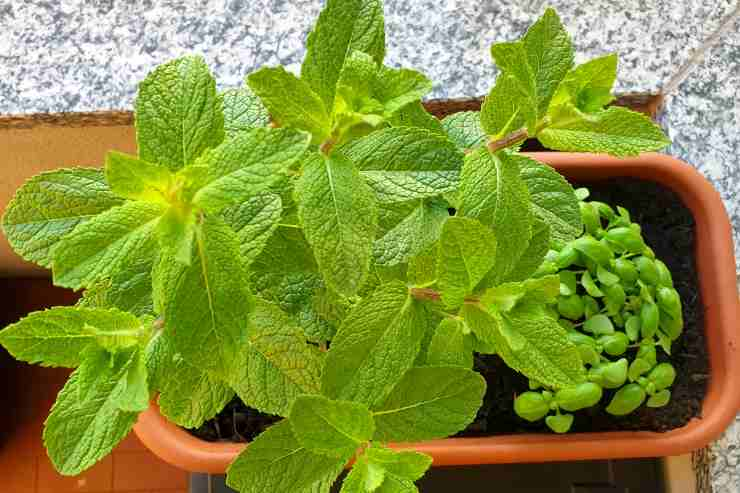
{"x": 322, "y": 248}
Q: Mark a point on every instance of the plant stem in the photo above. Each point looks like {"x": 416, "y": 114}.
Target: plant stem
{"x": 508, "y": 140}
{"x": 327, "y": 145}
{"x": 430, "y": 294}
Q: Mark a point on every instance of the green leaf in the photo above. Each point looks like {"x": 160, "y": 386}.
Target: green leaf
{"x": 332, "y": 428}
{"x": 553, "y": 198}
{"x": 616, "y": 131}
{"x": 534, "y": 344}
{"x": 429, "y": 402}
{"x": 464, "y": 129}
{"x": 275, "y": 365}
{"x": 404, "y": 464}
{"x": 277, "y": 463}
{"x": 492, "y": 192}
{"x": 354, "y": 87}
{"x": 417, "y": 231}
{"x": 588, "y": 86}
{"x": 242, "y": 111}
{"x": 130, "y": 287}
{"x": 187, "y": 396}
{"x": 343, "y": 26}
{"x": 404, "y": 149}
{"x": 210, "y": 302}
{"x": 133, "y": 392}
{"x": 532, "y": 258}
{"x": 550, "y": 55}
{"x": 399, "y": 186}
{"x": 506, "y": 108}
{"x": 248, "y": 164}
{"x": 95, "y": 248}
{"x": 519, "y": 83}
{"x": 50, "y": 205}
{"x": 467, "y": 251}
{"x": 415, "y": 115}
{"x": 422, "y": 268}
{"x": 178, "y": 113}
{"x": 482, "y": 324}
{"x": 339, "y": 215}
{"x": 396, "y": 88}
{"x": 291, "y": 101}
{"x": 80, "y": 432}
{"x": 254, "y": 221}
{"x": 132, "y": 178}
{"x": 176, "y": 233}
{"x": 57, "y": 336}
{"x": 451, "y": 345}
{"x": 374, "y": 346}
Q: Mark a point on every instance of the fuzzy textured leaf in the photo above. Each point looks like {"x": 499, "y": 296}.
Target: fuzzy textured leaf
{"x": 132, "y": 178}
{"x": 464, "y": 129}
{"x": 450, "y": 345}
{"x": 506, "y": 107}
{"x": 374, "y": 346}
{"x": 588, "y": 86}
{"x": 50, "y": 205}
{"x": 415, "y": 115}
{"x": 338, "y": 212}
{"x": 417, "y": 231}
{"x": 242, "y": 111}
{"x": 178, "y": 113}
{"x": 254, "y": 221}
{"x": 399, "y": 186}
{"x": 429, "y": 402}
{"x": 395, "y": 88}
{"x": 97, "y": 247}
{"x": 277, "y": 463}
{"x": 532, "y": 258}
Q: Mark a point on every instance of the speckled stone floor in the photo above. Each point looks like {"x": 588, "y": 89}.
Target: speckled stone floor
{"x": 67, "y": 55}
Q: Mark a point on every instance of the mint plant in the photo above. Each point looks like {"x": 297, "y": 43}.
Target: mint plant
{"x": 324, "y": 249}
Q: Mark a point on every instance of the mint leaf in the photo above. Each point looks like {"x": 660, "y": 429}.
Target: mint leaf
{"x": 549, "y": 54}
{"x": 467, "y": 251}
{"x": 374, "y": 346}
{"x": 404, "y": 149}
{"x": 291, "y": 101}
{"x": 400, "y": 186}
{"x": 130, "y": 287}
{"x": 404, "y": 464}
{"x": 464, "y": 129}
{"x": 254, "y": 221}
{"x": 275, "y": 365}
{"x": 50, "y": 205}
{"x": 438, "y": 400}
{"x": 396, "y": 88}
{"x": 422, "y": 268}
{"x": 506, "y": 107}
{"x": 209, "y": 305}
{"x": 354, "y": 87}
{"x": 95, "y": 248}
{"x": 57, "y": 336}
{"x": 132, "y": 178}
{"x": 178, "y": 114}
{"x": 277, "y": 463}
{"x": 382, "y": 469}
{"x": 248, "y": 164}
{"x": 81, "y": 431}
{"x": 132, "y": 394}
{"x": 242, "y": 111}
{"x": 416, "y": 232}
{"x": 482, "y": 324}
{"x": 535, "y": 345}
{"x": 492, "y": 191}
{"x": 339, "y": 215}
{"x": 415, "y": 115}
{"x": 511, "y": 58}
{"x": 533, "y": 256}
{"x": 553, "y": 198}
{"x": 176, "y": 233}
{"x": 451, "y": 345}
{"x": 343, "y": 26}
{"x": 588, "y": 86}
{"x": 332, "y": 428}
{"x": 616, "y": 131}
{"x": 362, "y": 477}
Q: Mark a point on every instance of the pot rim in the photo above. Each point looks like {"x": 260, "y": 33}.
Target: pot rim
{"x": 718, "y": 286}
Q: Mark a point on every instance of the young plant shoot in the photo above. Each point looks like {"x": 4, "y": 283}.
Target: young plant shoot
{"x": 323, "y": 248}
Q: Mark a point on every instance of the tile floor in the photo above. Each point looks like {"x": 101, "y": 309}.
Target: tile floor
{"x": 27, "y": 394}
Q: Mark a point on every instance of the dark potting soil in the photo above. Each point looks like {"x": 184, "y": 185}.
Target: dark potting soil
{"x": 668, "y": 228}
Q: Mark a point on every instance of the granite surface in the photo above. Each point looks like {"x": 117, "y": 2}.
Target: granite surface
{"x": 81, "y": 56}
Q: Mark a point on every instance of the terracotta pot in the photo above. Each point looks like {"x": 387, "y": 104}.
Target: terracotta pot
{"x": 716, "y": 269}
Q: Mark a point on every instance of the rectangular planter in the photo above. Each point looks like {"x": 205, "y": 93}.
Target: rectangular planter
{"x": 717, "y": 283}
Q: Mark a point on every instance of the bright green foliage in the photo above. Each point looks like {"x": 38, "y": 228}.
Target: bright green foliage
{"x": 275, "y": 461}
{"x": 291, "y": 101}
{"x": 50, "y": 205}
{"x": 374, "y": 346}
{"x": 417, "y": 231}
{"x": 97, "y": 247}
{"x": 254, "y": 221}
{"x": 178, "y": 113}
{"x": 506, "y": 108}
{"x": 400, "y": 186}
{"x": 81, "y": 431}
{"x": 382, "y": 469}
{"x": 617, "y": 131}
{"x": 276, "y": 365}
{"x": 415, "y": 115}
{"x": 532, "y": 258}
{"x": 338, "y": 213}
{"x": 332, "y": 428}
{"x": 492, "y": 191}
{"x": 588, "y": 86}
{"x": 464, "y": 129}
{"x": 439, "y": 400}
{"x": 242, "y": 111}
{"x": 396, "y": 88}
{"x": 132, "y": 178}
{"x": 210, "y": 302}
{"x": 467, "y": 251}
{"x": 451, "y": 344}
